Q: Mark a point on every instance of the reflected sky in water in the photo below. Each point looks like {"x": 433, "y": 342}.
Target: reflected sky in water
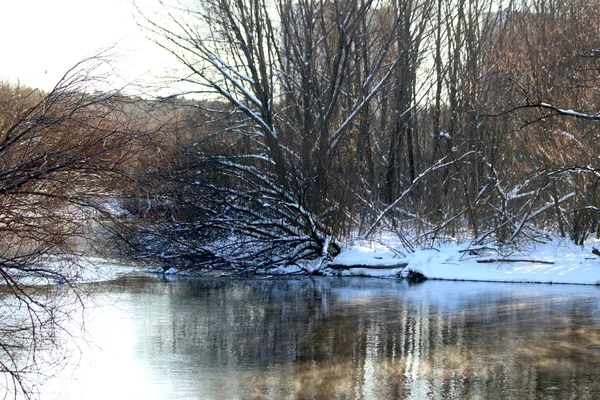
{"x": 329, "y": 338}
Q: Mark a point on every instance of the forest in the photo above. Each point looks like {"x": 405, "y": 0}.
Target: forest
{"x": 301, "y": 124}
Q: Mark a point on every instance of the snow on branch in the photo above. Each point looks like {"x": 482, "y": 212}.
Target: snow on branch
{"x": 556, "y": 110}
{"x": 570, "y": 113}
{"x": 438, "y": 165}
{"x": 539, "y": 211}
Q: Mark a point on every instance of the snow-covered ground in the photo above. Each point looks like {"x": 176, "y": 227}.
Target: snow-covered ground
{"x": 95, "y": 269}
{"x": 559, "y": 261}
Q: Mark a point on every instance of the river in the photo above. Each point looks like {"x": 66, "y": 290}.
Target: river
{"x": 327, "y": 338}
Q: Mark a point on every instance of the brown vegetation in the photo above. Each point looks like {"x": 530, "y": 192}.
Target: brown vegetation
{"x": 62, "y": 154}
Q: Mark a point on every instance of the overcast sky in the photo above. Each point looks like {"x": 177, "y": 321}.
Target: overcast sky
{"x": 41, "y": 39}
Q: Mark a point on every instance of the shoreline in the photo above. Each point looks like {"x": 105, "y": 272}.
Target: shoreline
{"x": 556, "y": 262}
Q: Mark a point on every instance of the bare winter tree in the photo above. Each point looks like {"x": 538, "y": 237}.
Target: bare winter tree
{"x": 61, "y": 155}
{"x": 541, "y": 57}
{"x": 298, "y": 76}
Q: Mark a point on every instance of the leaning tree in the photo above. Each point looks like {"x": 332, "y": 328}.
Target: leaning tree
{"x": 299, "y": 82}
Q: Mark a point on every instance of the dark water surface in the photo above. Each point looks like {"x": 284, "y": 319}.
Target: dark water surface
{"x": 346, "y": 338}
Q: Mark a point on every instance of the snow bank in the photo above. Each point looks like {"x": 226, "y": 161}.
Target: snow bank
{"x": 556, "y": 262}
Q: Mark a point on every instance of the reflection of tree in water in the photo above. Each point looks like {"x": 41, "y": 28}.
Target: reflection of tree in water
{"x": 301, "y": 338}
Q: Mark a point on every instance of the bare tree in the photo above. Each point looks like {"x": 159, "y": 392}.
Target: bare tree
{"x": 341, "y": 116}
{"x": 61, "y": 155}
{"x": 540, "y": 57}
{"x": 298, "y": 76}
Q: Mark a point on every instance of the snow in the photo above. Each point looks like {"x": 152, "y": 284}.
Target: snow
{"x": 558, "y": 261}
{"x": 570, "y": 112}
{"x": 568, "y": 136}
{"x": 366, "y": 253}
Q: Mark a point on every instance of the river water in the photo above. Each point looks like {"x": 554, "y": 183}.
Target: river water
{"x": 328, "y": 338}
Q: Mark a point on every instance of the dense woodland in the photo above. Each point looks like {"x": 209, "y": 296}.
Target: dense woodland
{"x": 315, "y": 121}
{"x": 305, "y": 123}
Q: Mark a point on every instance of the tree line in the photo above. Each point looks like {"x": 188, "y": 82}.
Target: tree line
{"x": 317, "y": 120}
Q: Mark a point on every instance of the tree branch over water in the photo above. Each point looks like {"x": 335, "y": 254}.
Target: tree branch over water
{"x": 61, "y": 152}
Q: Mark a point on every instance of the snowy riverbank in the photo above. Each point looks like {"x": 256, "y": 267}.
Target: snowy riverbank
{"x": 74, "y": 269}
{"x": 559, "y": 261}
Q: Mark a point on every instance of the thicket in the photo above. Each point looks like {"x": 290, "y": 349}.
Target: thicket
{"x": 318, "y": 120}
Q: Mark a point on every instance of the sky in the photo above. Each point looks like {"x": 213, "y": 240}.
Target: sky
{"x": 40, "y": 40}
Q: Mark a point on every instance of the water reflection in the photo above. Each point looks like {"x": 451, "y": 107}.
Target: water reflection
{"x": 349, "y": 338}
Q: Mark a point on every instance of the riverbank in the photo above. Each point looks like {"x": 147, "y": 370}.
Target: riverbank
{"x": 559, "y": 261}
{"x": 556, "y": 262}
